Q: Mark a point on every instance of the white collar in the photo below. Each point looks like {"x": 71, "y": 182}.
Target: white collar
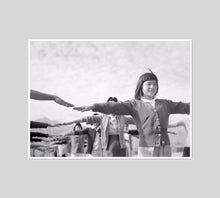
{"x": 146, "y": 100}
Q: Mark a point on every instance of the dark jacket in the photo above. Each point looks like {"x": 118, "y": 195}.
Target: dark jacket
{"x": 144, "y": 116}
{"x": 91, "y": 134}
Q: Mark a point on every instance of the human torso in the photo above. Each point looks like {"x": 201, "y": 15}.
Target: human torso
{"x": 77, "y": 143}
{"x": 145, "y": 117}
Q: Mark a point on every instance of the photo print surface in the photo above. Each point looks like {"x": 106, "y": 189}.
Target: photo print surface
{"x": 114, "y": 99}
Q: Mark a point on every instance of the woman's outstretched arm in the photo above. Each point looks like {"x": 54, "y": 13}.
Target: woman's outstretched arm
{"x": 117, "y": 108}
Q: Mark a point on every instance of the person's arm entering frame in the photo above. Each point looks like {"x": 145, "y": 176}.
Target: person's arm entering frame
{"x": 68, "y": 123}
{"x": 88, "y": 120}
{"x": 36, "y": 95}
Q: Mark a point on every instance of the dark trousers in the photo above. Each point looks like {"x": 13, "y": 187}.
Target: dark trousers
{"x": 186, "y": 151}
{"x": 114, "y": 149}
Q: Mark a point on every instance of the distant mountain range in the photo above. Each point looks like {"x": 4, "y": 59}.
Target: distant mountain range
{"x": 47, "y": 120}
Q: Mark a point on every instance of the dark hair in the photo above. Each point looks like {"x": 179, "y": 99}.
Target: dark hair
{"x": 112, "y": 99}
{"x": 144, "y": 77}
{"x": 77, "y": 124}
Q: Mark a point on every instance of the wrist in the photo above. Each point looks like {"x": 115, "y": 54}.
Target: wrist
{"x": 52, "y": 97}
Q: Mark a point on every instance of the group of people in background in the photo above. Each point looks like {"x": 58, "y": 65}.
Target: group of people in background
{"x": 107, "y": 134}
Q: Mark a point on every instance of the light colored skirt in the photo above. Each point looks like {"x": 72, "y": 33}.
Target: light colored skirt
{"x": 78, "y": 155}
{"x": 145, "y": 151}
{"x": 160, "y": 151}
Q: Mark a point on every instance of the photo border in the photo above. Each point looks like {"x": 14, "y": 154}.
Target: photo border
{"x": 111, "y": 158}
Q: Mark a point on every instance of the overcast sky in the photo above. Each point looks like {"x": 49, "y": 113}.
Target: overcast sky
{"x": 86, "y": 72}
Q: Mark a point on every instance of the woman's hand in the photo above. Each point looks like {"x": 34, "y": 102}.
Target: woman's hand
{"x": 83, "y": 108}
{"x": 62, "y": 124}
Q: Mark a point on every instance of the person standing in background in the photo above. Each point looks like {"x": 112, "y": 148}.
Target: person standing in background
{"x": 112, "y": 131}
{"x": 76, "y": 143}
{"x": 185, "y": 123}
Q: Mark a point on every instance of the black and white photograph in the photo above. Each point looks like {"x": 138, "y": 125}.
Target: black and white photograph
{"x": 110, "y": 99}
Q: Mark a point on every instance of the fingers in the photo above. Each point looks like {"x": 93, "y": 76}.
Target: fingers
{"x": 83, "y": 109}
{"x": 78, "y": 108}
{"x": 62, "y": 102}
{"x": 67, "y": 123}
{"x": 66, "y": 104}
{"x": 69, "y": 105}
{"x": 63, "y": 124}
{"x": 56, "y": 125}
{"x": 88, "y": 108}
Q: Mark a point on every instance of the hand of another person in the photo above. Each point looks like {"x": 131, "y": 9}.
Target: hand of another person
{"x": 58, "y": 100}
{"x": 67, "y": 123}
{"x": 83, "y": 108}
{"x": 55, "y": 125}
